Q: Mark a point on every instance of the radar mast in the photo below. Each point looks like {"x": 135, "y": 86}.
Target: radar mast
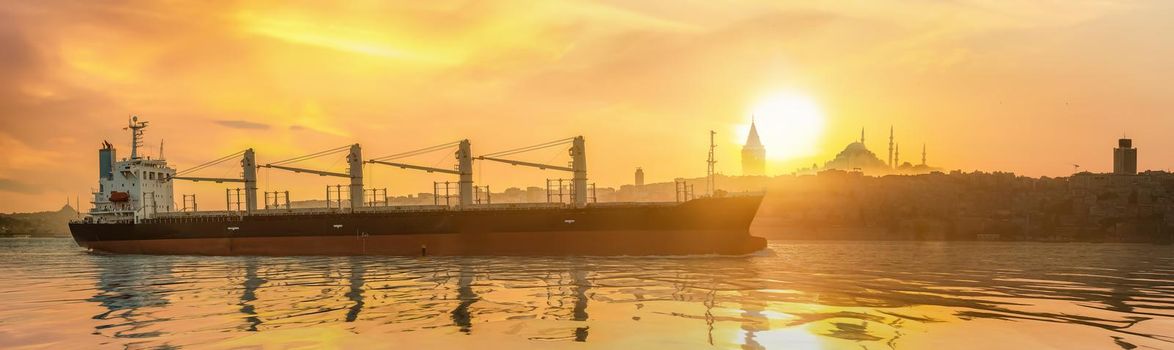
{"x": 136, "y": 131}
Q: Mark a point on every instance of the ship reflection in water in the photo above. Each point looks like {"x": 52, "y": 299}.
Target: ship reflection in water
{"x": 793, "y": 296}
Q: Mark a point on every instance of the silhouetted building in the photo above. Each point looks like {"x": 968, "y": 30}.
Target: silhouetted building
{"x": 857, "y": 157}
{"x": 1125, "y": 158}
{"x": 753, "y": 154}
{"x": 639, "y": 177}
{"x": 891, "y": 164}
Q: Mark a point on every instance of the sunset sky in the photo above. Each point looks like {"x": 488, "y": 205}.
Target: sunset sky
{"x": 1029, "y": 87}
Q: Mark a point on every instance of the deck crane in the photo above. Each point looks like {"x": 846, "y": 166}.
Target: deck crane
{"x": 354, "y": 162}
{"x": 248, "y": 175}
{"x": 578, "y": 164}
{"x": 464, "y": 166}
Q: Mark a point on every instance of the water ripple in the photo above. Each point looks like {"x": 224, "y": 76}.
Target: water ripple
{"x": 879, "y": 295}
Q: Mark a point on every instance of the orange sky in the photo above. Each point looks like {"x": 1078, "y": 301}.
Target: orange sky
{"x": 1029, "y": 87}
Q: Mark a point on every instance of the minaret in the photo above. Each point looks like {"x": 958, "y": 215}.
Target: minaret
{"x": 922, "y": 154}
{"x": 753, "y": 153}
{"x": 897, "y": 155}
{"x": 861, "y": 136}
{"x": 891, "y": 165}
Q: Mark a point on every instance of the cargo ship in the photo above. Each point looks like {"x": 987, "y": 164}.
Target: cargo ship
{"x": 134, "y": 212}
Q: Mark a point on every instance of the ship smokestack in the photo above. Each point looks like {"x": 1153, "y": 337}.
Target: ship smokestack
{"x": 106, "y": 157}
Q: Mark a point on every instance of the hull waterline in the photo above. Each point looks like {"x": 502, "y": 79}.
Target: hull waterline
{"x": 703, "y": 226}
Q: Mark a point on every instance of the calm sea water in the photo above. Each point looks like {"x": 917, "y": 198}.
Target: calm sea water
{"x": 842, "y": 295}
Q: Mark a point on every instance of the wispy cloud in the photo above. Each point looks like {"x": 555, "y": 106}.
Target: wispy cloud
{"x": 13, "y": 186}
{"x": 242, "y": 124}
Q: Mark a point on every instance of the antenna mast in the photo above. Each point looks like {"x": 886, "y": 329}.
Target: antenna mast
{"x": 136, "y": 131}
{"x": 709, "y": 180}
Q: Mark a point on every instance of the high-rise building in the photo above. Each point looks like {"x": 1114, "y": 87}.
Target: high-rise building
{"x": 639, "y": 177}
{"x": 1125, "y": 158}
{"x": 753, "y": 154}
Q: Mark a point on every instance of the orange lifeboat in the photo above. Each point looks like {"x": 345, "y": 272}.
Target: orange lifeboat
{"x": 119, "y": 196}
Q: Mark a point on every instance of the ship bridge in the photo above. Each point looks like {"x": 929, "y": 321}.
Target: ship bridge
{"x": 133, "y": 188}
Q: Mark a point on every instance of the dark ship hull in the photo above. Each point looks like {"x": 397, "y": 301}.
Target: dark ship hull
{"x": 701, "y": 226}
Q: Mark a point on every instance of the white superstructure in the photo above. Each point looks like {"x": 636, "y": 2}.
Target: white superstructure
{"x": 132, "y": 188}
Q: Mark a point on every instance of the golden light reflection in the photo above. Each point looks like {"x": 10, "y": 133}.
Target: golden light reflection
{"x": 795, "y": 338}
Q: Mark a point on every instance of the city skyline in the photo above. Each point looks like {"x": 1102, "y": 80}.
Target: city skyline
{"x": 1016, "y": 87}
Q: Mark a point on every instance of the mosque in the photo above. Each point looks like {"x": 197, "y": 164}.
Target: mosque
{"x": 856, "y": 157}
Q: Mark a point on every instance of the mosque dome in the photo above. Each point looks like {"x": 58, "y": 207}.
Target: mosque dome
{"x": 856, "y": 156}
{"x": 856, "y": 147}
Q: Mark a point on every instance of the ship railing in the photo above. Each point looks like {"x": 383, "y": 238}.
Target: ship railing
{"x": 235, "y": 215}
{"x": 544, "y": 205}
{"x": 632, "y": 204}
{"x": 402, "y": 208}
{"x": 300, "y": 211}
{"x": 327, "y": 211}
{"x": 223, "y": 216}
{"x": 516, "y": 206}
{"x": 746, "y": 194}
{"x": 190, "y": 214}
{"x": 230, "y": 216}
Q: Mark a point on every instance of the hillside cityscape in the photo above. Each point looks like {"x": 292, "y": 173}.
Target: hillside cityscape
{"x": 858, "y": 196}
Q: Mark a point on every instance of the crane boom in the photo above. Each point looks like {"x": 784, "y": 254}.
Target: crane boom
{"x": 415, "y": 167}
{"x": 248, "y": 176}
{"x": 529, "y": 164}
{"x": 211, "y": 179}
{"x": 308, "y": 171}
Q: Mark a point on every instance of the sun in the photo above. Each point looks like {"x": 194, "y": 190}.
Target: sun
{"x": 790, "y": 125}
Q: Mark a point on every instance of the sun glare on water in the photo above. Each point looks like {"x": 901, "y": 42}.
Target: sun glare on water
{"x": 789, "y": 125}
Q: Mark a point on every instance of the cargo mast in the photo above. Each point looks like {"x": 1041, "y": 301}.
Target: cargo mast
{"x": 710, "y": 185}
{"x": 355, "y": 171}
{"x": 578, "y": 166}
{"x": 248, "y": 176}
{"x": 464, "y": 168}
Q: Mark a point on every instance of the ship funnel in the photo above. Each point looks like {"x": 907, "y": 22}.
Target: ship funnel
{"x": 106, "y": 158}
